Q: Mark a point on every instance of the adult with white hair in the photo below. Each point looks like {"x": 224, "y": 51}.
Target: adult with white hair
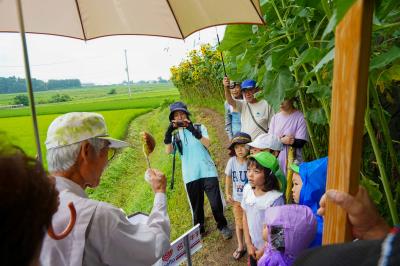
{"x": 78, "y": 149}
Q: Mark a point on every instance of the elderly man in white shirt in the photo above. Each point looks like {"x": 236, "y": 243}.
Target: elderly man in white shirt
{"x": 78, "y": 149}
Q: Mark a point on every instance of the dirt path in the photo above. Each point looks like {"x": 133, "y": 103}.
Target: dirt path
{"x": 217, "y": 251}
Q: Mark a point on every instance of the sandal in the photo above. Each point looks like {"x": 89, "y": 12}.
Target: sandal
{"x": 237, "y": 254}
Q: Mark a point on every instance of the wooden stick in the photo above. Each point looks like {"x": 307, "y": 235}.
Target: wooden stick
{"x": 349, "y": 94}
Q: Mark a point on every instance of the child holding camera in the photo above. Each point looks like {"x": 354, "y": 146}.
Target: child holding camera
{"x": 198, "y": 169}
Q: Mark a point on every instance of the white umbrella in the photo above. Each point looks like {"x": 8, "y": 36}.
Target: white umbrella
{"x": 90, "y": 19}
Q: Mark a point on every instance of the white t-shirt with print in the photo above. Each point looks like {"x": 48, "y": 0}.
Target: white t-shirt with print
{"x": 262, "y": 113}
{"x": 238, "y": 172}
{"x": 255, "y": 207}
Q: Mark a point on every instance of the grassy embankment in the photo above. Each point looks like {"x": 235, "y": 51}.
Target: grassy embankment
{"x": 123, "y": 182}
{"x": 118, "y": 111}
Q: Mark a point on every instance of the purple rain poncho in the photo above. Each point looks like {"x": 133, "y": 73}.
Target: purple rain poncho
{"x": 299, "y": 227}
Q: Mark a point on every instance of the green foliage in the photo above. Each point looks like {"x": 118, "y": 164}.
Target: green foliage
{"x": 199, "y": 77}
{"x": 292, "y": 55}
{"x": 58, "y": 98}
{"x": 112, "y": 91}
{"x": 21, "y": 99}
{"x": 14, "y": 84}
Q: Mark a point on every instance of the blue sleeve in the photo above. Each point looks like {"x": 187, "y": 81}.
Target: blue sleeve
{"x": 228, "y": 121}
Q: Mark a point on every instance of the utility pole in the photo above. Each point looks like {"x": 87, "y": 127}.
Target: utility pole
{"x": 127, "y": 74}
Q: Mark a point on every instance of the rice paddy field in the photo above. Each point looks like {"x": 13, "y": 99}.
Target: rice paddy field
{"x": 118, "y": 110}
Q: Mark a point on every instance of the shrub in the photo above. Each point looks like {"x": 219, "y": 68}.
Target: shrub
{"x": 60, "y": 98}
{"x": 21, "y": 99}
{"x": 112, "y": 91}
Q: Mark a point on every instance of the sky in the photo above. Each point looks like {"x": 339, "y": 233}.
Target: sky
{"x": 99, "y": 61}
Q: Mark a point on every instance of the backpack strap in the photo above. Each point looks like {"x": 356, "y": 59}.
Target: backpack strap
{"x": 254, "y": 120}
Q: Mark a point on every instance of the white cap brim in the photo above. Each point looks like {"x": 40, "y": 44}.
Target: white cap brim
{"x": 115, "y": 143}
{"x": 257, "y": 144}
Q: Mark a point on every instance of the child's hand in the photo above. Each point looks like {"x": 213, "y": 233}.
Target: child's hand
{"x": 287, "y": 140}
{"x": 265, "y": 233}
{"x": 229, "y": 199}
{"x": 251, "y": 250}
{"x": 259, "y": 253}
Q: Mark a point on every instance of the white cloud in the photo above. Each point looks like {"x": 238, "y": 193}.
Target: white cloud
{"x": 101, "y": 60}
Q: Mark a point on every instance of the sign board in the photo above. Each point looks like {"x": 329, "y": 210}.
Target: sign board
{"x": 178, "y": 250}
{"x": 177, "y": 253}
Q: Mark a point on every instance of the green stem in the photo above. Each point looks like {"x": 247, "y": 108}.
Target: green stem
{"x": 385, "y": 128}
{"x": 310, "y": 132}
{"x": 324, "y": 102}
{"x": 326, "y": 8}
{"x": 381, "y": 166}
{"x": 309, "y": 129}
{"x": 279, "y": 16}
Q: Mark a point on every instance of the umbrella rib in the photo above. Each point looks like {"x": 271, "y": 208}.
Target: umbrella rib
{"x": 80, "y": 19}
{"x": 259, "y": 15}
{"x": 176, "y": 21}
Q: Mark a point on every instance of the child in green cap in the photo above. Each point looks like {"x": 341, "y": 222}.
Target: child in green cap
{"x": 261, "y": 192}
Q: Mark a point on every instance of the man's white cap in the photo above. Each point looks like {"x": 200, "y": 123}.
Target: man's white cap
{"x": 75, "y": 127}
{"x": 266, "y": 141}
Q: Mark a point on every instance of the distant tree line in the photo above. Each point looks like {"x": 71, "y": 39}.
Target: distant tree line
{"x": 14, "y": 84}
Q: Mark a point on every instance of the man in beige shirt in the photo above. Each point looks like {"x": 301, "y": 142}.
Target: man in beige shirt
{"x": 255, "y": 114}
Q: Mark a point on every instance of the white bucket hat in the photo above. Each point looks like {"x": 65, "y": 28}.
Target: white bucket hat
{"x": 266, "y": 141}
{"x": 75, "y": 127}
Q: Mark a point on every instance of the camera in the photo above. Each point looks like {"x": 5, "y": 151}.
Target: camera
{"x": 180, "y": 124}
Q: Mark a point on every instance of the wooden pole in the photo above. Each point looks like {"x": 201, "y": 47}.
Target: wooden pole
{"x": 349, "y": 96}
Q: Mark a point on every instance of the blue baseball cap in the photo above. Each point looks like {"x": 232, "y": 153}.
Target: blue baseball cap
{"x": 248, "y": 84}
{"x": 177, "y": 106}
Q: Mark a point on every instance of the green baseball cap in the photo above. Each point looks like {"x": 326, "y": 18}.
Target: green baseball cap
{"x": 295, "y": 168}
{"x": 267, "y": 160}
{"x": 75, "y": 127}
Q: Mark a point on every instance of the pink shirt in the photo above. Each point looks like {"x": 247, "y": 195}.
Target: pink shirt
{"x": 293, "y": 124}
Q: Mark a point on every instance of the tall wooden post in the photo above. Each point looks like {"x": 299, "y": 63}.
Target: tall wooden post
{"x": 349, "y": 95}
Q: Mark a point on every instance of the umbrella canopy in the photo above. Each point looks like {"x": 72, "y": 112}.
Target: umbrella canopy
{"x": 90, "y": 19}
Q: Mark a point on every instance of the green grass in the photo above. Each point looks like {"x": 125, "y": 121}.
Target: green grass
{"x": 123, "y": 183}
{"x": 148, "y": 99}
{"x": 89, "y": 92}
{"x": 20, "y": 129}
{"x": 118, "y": 110}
